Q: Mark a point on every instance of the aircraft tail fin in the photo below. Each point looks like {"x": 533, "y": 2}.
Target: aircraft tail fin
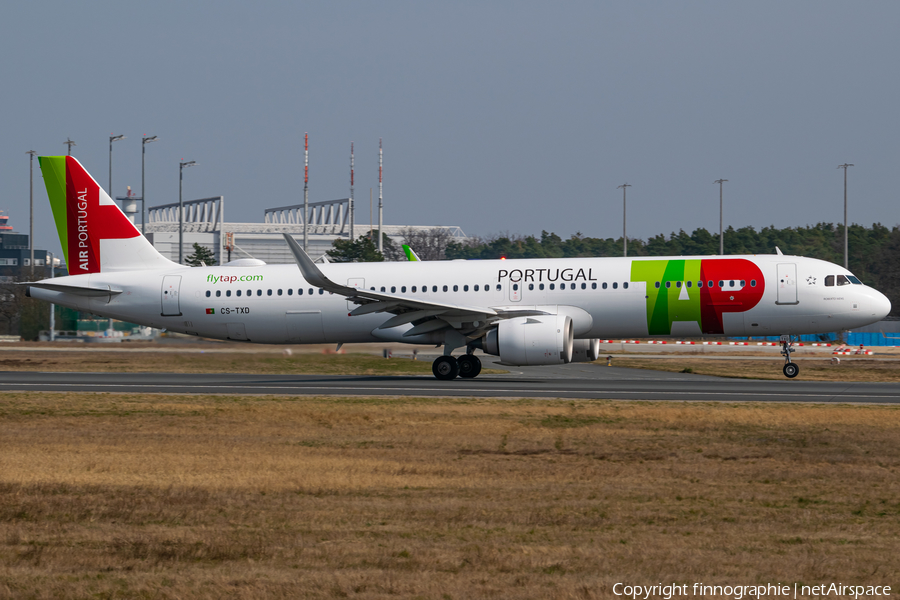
{"x": 411, "y": 254}
{"x": 95, "y": 234}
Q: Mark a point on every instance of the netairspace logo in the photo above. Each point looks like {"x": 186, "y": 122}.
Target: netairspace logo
{"x": 738, "y": 592}
{"x": 232, "y": 278}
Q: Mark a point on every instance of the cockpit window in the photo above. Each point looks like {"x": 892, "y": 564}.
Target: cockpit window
{"x": 854, "y": 279}
{"x": 829, "y": 280}
{"x": 842, "y": 280}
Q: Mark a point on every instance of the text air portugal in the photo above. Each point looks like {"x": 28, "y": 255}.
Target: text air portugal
{"x": 86, "y": 222}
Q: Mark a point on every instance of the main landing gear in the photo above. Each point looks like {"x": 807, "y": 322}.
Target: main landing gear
{"x": 446, "y": 367}
{"x": 790, "y": 369}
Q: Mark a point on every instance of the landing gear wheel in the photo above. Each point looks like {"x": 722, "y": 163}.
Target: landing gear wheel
{"x": 791, "y": 370}
{"x": 469, "y": 365}
{"x": 445, "y": 368}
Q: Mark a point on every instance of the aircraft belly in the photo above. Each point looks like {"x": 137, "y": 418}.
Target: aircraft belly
{"x": 620, "y": 315}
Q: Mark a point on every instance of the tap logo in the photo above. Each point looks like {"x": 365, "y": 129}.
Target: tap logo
{"x": 697, "y": 290}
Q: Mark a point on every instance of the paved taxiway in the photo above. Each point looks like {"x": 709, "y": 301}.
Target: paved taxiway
{"x": 571, "y": 381}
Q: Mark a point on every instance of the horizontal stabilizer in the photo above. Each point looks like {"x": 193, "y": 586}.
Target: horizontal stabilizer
{"x": 77, "y": 290}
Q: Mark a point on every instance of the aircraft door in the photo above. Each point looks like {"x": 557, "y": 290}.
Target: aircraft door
{"x": 787, "y": 284}
{"x": 171, "y": 304}
{"x": 355, "y": 282}
{"x": 515, "y": 286}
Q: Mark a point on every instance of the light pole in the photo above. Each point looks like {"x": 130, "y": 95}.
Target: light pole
{"x": 624, "y": 187}
{"x": 144, "y": 141}
{"x": 31, "y": 154}
{"x": 306, "y": 192}
{"x": 181, "y": 167}
{"x": 846, "y": 239}
{"x": 721, "y": 231}
{"x": 112, "y": 138}
{"x": 69, "y": 143}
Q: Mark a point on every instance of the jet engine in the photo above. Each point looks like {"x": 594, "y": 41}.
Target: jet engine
{"x": 586, "y": 350}
{"x": 539, "y": 340}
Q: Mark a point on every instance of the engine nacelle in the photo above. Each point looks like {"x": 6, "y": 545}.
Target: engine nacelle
{"x": 585, "y": 350}
{"x": 539, "y": 340}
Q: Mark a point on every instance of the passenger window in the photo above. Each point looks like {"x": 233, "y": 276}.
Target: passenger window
{"x": 731, "y": 283}
{"x": 842, "y": 280}
{"x": 465, "y": 288}
{"x": 515, "y": 287}
{"x": 279, "y": 292}
{"x": 455, "y": 288}
{"x": 687, "y": 283}
{"x": 269, "y": 293}
{"x": 228, "y": 293}
{"x": 290, "y": 292}
{"x": 743, "y": 283}
{"x": 487, "y": 287}
{"x": 382, "y": 289}
{"x": 393, "y": 289}
{"x": 752, "y": 283}
{"x": 721, "y": 284}
{"x": 709, "y": 283}
{"x": 218, "y": 293}
{"x": 413, "y": 289}
{"x": 604, "y": 285}
{"x": 321, "y": 291}
{"x": 208, "y": 293}
{"x": 476, "y": 287}
{"x": 530, "y": 286}
{"x": 584, "y": 286}
{"x": 299, "y": 291}
{"x": 594, "y": 286}
{"x": 434, "y": 288}
{"x": 668, "y": 284}
{"x": 249, "y": 292}
{"x": 657, "y": 285}
{"x": 616, "y": 285}
{"x": 445, "y": 288}
{"x": 678, "y": 284}
{"x": 699, "y": 284}
{"x": 498, "y": 287}
{"x": 238, "y": 293}
{"x": 312, "y": 291}
{"x": 552, "y": 286}
{"x": 625, "y": 285}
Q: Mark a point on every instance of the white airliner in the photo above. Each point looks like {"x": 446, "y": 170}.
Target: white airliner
{"x": 527, "y": 312}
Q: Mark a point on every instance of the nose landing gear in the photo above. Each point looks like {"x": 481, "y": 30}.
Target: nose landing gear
{"x": 790, "y": 369}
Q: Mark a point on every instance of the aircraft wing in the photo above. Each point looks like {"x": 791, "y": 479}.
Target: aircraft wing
{"x": 425, "y": 314}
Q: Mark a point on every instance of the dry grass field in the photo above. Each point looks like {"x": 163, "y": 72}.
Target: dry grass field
{"x": 110, "y": 496}
{"x": 811, "y": 368}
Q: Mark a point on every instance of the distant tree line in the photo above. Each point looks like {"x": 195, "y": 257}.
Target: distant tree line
{"x": 874, "y": 251}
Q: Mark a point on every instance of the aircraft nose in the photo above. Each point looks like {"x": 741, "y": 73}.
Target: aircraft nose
{"x": 881, "y": 305}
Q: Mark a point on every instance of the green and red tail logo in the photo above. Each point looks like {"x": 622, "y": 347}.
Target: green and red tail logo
{"x": 84, "y": 213}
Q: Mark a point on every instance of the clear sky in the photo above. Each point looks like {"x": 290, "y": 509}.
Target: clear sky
{"x": 496, "y": 116}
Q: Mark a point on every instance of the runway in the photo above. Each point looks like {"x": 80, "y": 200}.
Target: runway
{"x": 569, "y": 382}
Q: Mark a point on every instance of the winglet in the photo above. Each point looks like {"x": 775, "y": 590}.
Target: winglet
{"x": 411, "y": 255}
{"x": 778, "y": 251}
{"x": 311, "y": 272}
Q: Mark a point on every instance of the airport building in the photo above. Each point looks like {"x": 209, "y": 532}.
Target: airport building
{"x": 204, "y": 224}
